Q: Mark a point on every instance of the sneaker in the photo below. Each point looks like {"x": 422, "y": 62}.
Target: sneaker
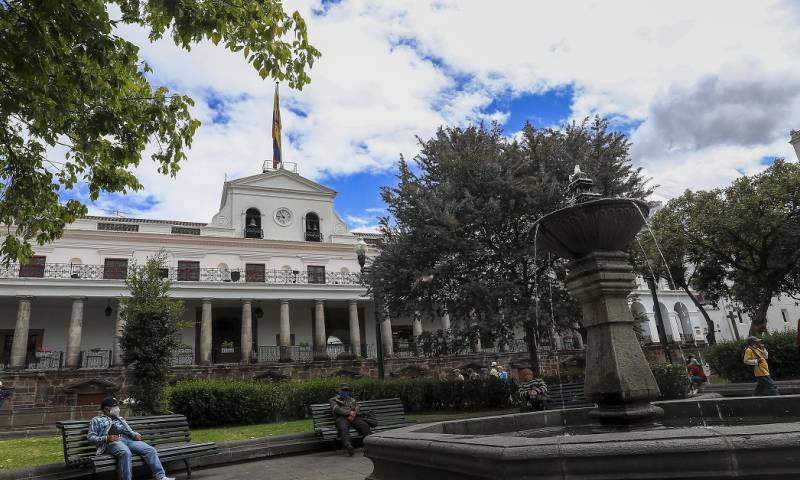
{"x": 350, "y": 450}
{"x": 168, "y": 478}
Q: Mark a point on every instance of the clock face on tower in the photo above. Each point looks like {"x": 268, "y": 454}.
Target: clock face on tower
{"x": 283, "y": 216}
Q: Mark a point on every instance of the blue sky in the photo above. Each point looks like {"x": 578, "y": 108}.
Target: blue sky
{"x": 706, "y": 91}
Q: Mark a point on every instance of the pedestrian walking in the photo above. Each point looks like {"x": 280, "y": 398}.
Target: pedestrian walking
{"x": 755, "y": 355}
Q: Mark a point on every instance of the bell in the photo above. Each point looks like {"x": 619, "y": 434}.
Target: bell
{"x": 252, "y": 222}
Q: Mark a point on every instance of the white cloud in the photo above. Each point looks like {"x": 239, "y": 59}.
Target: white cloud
{"x": 713, "y": 86}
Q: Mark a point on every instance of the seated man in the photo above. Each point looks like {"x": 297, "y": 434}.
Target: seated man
{"x": 697, "y": 377}
{"x": 111, "y": 434}
{"x": 345, "y": 409}
{"x": 532, "y": 392}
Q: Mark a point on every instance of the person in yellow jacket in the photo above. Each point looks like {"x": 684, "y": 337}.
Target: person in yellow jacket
{"x": 756, "y": 356}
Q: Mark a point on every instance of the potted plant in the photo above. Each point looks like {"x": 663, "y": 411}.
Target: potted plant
{"x": 226, "y": 347}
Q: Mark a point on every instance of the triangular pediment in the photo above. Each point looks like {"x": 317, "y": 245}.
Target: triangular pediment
{"x": 281, "y": 180}
{"x": 94, "y": 385}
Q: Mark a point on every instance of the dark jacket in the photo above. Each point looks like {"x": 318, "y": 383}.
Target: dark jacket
{"x": 342, "y": 406}
{"x": 533, "y": 402}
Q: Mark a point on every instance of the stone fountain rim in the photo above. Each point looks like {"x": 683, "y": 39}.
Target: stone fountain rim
{"x": 641, "y": 203}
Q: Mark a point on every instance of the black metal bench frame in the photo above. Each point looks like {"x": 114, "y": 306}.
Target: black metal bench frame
{"x": 567, "y": 395}
{"x": 169, "y": 434}
{"x": 388, "y": 412}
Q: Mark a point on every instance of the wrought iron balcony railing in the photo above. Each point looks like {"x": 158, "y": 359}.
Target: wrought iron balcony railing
{"x": 184, "y": 274}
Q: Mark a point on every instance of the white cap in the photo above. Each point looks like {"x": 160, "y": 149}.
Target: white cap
{"x": 494, "y": 364}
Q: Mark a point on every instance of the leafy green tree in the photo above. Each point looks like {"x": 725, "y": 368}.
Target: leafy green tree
{"x": 151, "y": 335}
{"x": 679, "y": 264}
{"x": 69, "y": 83}
{"x": 461, "y": 230}
{"x": 743, "y": 239}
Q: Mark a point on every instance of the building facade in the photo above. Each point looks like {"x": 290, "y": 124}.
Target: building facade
{"x": 274, "y": 275}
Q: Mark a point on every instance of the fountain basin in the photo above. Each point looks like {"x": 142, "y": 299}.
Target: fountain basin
{"x": 607, "y": 224}
{"x": 715, "y": 439}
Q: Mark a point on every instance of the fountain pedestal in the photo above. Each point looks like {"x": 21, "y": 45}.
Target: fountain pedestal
{"x": 617, "y": 377}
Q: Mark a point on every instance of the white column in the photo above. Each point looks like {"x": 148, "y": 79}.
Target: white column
{"x": 286, "y": 331}
{"x": 19, "y": 346}
{"x": 73, "y": 359}
{"x": 576, "y": 333}
{"x": 320, "y": 336}
{"x": 119, "y": 326}
{"x": 416, "y": 326}
{"x": 445, "y": 320}
{"x": 556, "y": 339}
{"x": 247, "y": 331}
{"x": 206, "y": 332}
{"x": 386, "y": 336}
{"x": 355, "y": 330}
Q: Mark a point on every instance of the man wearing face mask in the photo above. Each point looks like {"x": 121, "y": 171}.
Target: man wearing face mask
{"x": 112, "y": 434}
{"x": 345, "y": 408}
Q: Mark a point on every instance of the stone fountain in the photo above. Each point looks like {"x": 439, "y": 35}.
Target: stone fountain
{"x": 627, "y": 435}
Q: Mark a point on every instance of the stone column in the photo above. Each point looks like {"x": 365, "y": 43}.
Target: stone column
{"x": 286, "y": 332}
{"x": 558, "y": 344}
{"x": 119, "y": 326}
{"x": 386, "y": 336}
{"x": 416, "y": 326}
{"x": 73, "y": 359}
{"x": 445, "y": 320}
{"x": 320, "y": 336}
{"x": 355, "y": 329}
{"x": 19, "y": 347}
{"x": 206, "y": 332}
{"x": 618, "y": 378}
{"x": 576, "y": 334}
{"x": 247, "y": 330}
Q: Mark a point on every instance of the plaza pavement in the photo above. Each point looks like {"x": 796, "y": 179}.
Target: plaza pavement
{"x": 330, "y": 465}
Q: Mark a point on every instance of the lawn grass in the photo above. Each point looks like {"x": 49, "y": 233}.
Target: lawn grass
{"x": 26, "y": 452}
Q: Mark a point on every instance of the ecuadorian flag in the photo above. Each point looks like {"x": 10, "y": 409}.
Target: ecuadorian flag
{"x": 277, "y": 156}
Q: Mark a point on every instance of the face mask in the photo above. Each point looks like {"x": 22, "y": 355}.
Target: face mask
{"x": 114, "y": 411}
{"x": 344, "y": 394}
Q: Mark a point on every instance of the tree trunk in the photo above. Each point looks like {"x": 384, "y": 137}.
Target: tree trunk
{"x": 533, "y": 354}
{"x": 758, "y": 325}
{"x": 711, "y": 337}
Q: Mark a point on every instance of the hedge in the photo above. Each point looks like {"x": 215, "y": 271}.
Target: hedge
{"x": 672, "y": 380}
{"x": 233, "y": 402}
{"x": 784, "y": 360}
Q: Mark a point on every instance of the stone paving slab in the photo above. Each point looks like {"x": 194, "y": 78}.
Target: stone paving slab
{"x": 331, "y": 465}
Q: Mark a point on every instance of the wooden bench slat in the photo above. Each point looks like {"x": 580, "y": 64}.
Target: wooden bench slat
{"x": 168, "y": 434}
{"x": 389, "y": 413}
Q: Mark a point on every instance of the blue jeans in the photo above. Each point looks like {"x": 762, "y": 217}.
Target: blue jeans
{"x": 696, "y": 380}
{"x": 124, "y": 448}
{"x": 765, "y": 386}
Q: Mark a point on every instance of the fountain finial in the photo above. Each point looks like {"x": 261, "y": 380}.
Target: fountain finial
{"x": 579, "y": 189}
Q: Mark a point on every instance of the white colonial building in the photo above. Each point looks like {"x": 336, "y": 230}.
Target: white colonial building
{"x": 273, "y": 275}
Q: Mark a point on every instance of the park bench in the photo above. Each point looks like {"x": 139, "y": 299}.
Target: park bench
{"x": 169, "y": 434}
{"x": 567, "y": 395}
{"x": 388, "y": 412}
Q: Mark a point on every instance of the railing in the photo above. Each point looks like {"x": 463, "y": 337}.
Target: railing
{"x": 252, "y": 231}
{"x": 313, "y": 236}
{"x": 179, "y": 275}
{"x": 96, "y": 359}
{"x": 183, "y": 356}
{"x": 46, "y": 361}
{"x": 295, "y": 353}
{"x": 290, "y": 166}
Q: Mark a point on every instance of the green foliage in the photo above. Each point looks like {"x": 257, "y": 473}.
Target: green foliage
{"x": 232, "y": 402}
{"x": 68, "y": 82}
{"x": 478, "y": 194}
{"x": 784, "y": 360}
{"x": 672, "y": 380}
{"x": 742, "y": 239}
{"x": 151, "y": 334}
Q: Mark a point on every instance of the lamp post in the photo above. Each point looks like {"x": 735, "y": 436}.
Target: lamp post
{"x": 361, "y": 253}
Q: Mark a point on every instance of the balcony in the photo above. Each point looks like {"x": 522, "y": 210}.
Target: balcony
{"x": 313, "y": 236}
{"x": 182, "y": 275}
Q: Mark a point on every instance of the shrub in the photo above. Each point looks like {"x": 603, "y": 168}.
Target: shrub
{"x": 231, "y": 402}
{"x": 672, "y": 380}
{"x": 784, "y": 361}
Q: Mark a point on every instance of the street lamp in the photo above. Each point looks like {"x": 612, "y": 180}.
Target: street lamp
{"x": 361, "y": 252}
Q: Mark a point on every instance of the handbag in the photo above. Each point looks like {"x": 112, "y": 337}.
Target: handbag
{"x": 369, "y": 418}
